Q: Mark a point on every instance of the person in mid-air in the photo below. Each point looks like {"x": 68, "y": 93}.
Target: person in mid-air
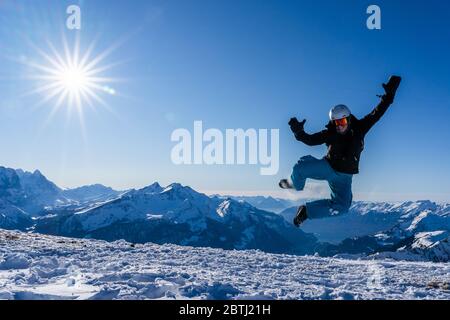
{"x": 344, "y": 137}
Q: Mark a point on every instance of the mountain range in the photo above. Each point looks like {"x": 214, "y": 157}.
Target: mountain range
{"x": 180, "y": 215}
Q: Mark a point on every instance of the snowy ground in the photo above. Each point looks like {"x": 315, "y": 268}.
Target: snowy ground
{"x": 34, "y": 266}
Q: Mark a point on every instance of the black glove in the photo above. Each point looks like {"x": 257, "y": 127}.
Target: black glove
{"x": 391, "y": 88}
{"x": 296, "y": 126}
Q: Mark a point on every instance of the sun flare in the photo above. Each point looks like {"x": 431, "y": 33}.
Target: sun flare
{"x": 71, "y": 79}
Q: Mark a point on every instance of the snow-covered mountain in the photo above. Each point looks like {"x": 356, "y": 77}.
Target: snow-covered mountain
{"x": 178, "y": 214}
{"x": 12, "y": 217}
{"x": 10, "y": 187}
{"x": 34, "y": 195}
{"x": 266, "y": 203}
{"x": 30, "y": 192}
{"x": 35, "y": 266}
{"x": 39, "y": 192}
{"x": 95, "y": 192}
{"x": 410, "y": 230}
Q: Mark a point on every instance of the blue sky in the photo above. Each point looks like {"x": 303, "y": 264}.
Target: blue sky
{"x": 232, "y": 64}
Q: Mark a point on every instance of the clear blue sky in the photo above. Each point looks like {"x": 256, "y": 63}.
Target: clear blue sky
{"x": 233, "y": 64}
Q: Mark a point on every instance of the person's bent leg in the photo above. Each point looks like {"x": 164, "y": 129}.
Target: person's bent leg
{"x": 340, "y": 202}
{"x": 341, "y": 192}
{"x": 318, "y": 209}
{"x": 324, "y": 208}
{"x": 309, "y": 167}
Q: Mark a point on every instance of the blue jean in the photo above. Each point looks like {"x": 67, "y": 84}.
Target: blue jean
{"x": 340, "y": 184}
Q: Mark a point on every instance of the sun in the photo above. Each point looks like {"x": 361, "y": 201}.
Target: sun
{"x": 71, "y": 78}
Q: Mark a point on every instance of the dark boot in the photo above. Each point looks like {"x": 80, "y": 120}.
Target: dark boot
{"x": 284, "y": 184}
{"x": 300, "y": 216}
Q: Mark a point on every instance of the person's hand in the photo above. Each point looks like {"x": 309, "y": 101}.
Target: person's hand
{"x": 296, "y": 126}
{"x": 391, "y": 88}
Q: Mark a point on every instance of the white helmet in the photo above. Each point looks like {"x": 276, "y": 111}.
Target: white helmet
{"x": 339, "y": 112}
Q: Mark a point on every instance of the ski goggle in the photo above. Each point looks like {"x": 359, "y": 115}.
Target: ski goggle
{"x": 341, "y": 122}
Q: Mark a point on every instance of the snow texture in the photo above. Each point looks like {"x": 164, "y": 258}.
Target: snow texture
{"x": 34, "y": 266}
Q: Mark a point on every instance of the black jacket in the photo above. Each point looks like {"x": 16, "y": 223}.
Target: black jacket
{"x": 344, "y": 150}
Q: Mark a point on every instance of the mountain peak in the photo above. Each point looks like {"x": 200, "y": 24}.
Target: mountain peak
{"x": 155, "y": 187}
{"x": 179, "y": 188}
{"x": 37, "y": 173}
{"x": 93, "y": 192}
{"x": 175, "y": 185}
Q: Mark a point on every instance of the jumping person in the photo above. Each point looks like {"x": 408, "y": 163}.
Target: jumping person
{"x": 344, "y": 137}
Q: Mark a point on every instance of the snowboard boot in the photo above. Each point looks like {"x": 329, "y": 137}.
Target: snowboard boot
{"x": 285, "y": 184}
{"x": 300, "y": 216}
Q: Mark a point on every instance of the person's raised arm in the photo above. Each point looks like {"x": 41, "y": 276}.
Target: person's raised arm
{"x": 386, "y": 100}
{"x": 309, "y": 139}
